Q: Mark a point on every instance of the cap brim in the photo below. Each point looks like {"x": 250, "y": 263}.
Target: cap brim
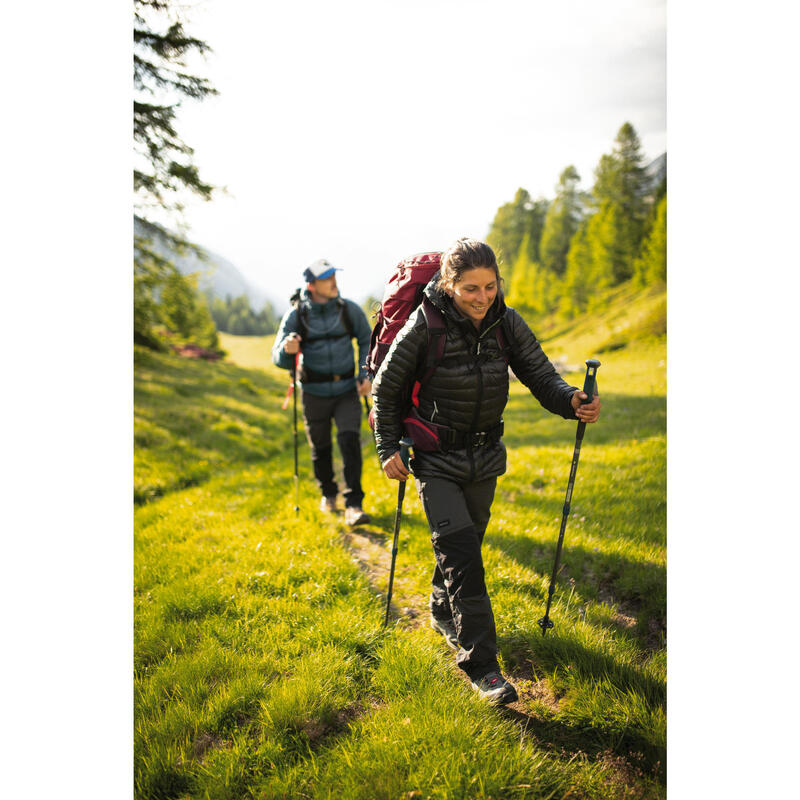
{"x": 327, "y": 273}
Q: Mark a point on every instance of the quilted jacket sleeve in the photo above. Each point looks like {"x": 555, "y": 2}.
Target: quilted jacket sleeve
{"x": 392, "y": 385}
{"x": 533, "y": 368}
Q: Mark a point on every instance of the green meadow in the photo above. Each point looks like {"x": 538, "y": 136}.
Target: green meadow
{"x": 261, "y": 668}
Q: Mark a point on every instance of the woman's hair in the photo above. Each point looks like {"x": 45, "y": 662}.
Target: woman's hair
{"x": 463, "y": 255}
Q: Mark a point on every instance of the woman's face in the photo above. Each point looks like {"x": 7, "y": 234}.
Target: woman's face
{"x": 474, "y": 293}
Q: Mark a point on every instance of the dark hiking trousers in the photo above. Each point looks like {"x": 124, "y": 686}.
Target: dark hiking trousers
{"x": 345, "y": 411}
{"x": 458, "y": 516}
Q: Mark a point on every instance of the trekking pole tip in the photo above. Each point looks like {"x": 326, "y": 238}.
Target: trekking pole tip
{"x": 545, "y": 623}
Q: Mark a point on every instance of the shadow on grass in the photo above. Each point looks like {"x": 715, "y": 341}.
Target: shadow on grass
{"x": 622, "y": 418}
{"x": 586, "y": 734}
{"x": 637, "y": 588}
{"x": 639, "y": 517}
{"x": 548, "y": 653}
{"x": 560, "y": 739}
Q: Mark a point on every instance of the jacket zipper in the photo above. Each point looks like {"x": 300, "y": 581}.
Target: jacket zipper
{"x": 480, "y": 397}
{"x": 473, "y": 427}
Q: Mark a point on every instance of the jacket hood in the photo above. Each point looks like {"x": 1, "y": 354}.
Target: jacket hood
{"x": 445, "y": 304}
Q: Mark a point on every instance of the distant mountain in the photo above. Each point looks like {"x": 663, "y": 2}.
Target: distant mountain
{"x": 217, "y": 274}
{"x": 656, "y": 171}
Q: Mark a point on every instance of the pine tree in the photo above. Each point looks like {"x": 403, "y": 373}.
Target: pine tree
{"x": 534, "y": 291}
{"x": 509, "y": 226}
{"x": 651, "y": 266}
{"x": 545, "y": 289}
{"x": 150, "y": 272}
{"x": 535, "y": 227}
{"x": 652, "y": 201}
{"x": 576, "y": 287}
{"x": 164, "y": 166}
{"x": 518, "y": 293}
{"x": 163, "y": 169}
{"x": 562, "y": 220}
{"x": 183, "y": 310}
{"x": 602, "y": 238}
{"x": 619, "y": 190}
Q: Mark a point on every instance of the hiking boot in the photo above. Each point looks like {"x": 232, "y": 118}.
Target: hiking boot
{"x": 448, "y": 629}
{"x": 353, "y": 515}
{"x": 496, "y": 689}
{"x": 328, "y": 505}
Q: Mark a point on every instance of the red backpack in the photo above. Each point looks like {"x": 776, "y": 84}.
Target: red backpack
{"x": 404, "y": 294}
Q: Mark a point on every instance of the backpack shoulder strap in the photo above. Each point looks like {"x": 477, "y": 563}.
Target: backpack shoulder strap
{"x": 296, "y": 300}
{"x": 505, "y": 339}
{"x": 346, "y": 321}
{"x": 437, "y": 338}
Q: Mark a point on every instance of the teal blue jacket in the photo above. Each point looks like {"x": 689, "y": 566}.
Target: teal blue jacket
{"x": 327, "y": 349}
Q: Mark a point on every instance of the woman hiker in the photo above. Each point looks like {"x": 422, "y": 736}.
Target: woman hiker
{"x": 466, "y": 393}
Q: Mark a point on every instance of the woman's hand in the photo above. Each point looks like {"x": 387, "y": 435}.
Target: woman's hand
{"x": 585, "y": 413}
{"x": 395, "y": 468}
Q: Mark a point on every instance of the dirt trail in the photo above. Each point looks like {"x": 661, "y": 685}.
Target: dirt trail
{"x": 371, "y": 550}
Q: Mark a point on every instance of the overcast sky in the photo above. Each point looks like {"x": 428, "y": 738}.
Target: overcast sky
{"x": 362, "y": 132}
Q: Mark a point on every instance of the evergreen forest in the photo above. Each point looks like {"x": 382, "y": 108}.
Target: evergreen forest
{"x": 563, "y": 257}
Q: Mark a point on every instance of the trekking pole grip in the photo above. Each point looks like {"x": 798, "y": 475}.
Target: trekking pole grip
{"x": 589, "y": 383}
{"x": 405, "y": 446}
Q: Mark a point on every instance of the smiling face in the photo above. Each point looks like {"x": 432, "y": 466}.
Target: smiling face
{"x": 474, "y": 293}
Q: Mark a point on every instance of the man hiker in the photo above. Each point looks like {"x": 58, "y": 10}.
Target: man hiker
{"x": 321, "y": 326}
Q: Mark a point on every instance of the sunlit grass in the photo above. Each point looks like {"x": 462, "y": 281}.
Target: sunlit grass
{"x": 260, "y": 665}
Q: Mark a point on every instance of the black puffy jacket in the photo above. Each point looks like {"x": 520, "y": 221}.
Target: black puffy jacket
{"x": 469, "y": 389}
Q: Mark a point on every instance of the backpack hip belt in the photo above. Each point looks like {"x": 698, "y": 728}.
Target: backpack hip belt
{"x": 458, "y": 440}
{"x": 312, "y": 376}
{"x": 432, "y": 437}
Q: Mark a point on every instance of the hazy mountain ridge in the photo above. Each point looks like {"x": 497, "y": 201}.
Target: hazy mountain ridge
{"x": 656, "y": 171}
{"x": 217, "y": 274}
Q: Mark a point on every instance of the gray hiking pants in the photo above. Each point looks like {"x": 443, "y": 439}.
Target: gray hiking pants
{"x": 345, "y": 411}
{"x": 457, "y": 516}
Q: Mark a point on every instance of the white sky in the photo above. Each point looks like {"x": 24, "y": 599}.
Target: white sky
{"x": 362, "y": 132}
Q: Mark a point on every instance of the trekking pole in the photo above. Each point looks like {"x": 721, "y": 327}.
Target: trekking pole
{"x": 366, "y": 406}
{"x": 405, "y": 444}
{"x": 589, "y": 385}
{"x": 296, "y": 475}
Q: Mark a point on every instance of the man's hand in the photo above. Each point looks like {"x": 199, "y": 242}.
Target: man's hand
{"x": 585, "y": 413}
{"x": 291, "y": 344}
{"x": 364, "y": 387}
{"x": 395, "y": 468}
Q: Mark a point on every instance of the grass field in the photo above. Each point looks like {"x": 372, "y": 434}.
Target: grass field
{"x": 261, "y": 669}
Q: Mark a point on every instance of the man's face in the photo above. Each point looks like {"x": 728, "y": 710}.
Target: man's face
{"x": 324, "y": 289}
